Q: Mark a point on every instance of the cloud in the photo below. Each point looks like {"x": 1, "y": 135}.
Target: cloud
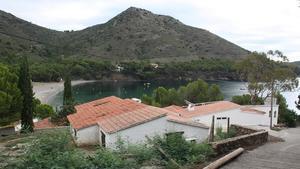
{"x": 253, "y": 24}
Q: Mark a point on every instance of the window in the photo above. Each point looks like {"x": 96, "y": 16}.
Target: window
{"x": 275, "y": 114}
{"x": 221, "y": 118}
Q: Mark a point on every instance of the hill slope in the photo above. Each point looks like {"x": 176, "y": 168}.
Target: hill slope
{"x": 133, "y": 34}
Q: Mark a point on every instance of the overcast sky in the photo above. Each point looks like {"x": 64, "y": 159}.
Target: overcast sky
{"x": 257, "y": 25}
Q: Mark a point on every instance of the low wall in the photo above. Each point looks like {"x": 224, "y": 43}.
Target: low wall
{"x": 247, "y": 140}
{"x": 6, "y": 131}
{"x": 241, "y": 130}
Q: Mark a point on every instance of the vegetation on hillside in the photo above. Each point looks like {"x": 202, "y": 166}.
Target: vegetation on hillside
{"x": 195, "y": 92}
{"x": 133, "y": 34}
{"x": 55, "y": 149}
{"x": 54, "y": 70}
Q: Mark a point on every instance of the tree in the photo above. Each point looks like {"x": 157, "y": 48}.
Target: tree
{"x": 27, "y": 93}
{"x": 195, "y": 92}
{"x": 68, "y": 100}
{"x": 265, "y": 76}
{"x": 10, "y": 96}
{"x": 298, "y": 103}
{"x": 214, "y": 93}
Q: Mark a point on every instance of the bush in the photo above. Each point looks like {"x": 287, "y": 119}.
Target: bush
{"x": 197, "y": 91}
{"x": 51, "y": 150}
{"x": 182, "y": 151}
{"x": 220, "y": 135}
{"x": 43, "y": 111}
{"x": 287, "y": 116}
{"x": 105, "y": 159}
{"x": 246, "y": 100}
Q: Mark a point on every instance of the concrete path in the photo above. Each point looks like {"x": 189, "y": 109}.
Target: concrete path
{"x": 280, "y": 155}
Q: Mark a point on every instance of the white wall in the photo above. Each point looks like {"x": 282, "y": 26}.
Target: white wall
{"x": 136, "y": 134}
{"x": 86, "y": 136}
{"x": 189, "y": 131}
{"x": 267, "y": 108}
{"x": 240, "y": 117}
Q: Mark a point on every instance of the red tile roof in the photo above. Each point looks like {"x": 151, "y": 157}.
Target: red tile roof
{"x": 201, "y": 110}
{"x": 185, "y": 121}
{"x": 113, "y": 114}
{"x": 45, "y": 123}
{"x": 251, "y": 109}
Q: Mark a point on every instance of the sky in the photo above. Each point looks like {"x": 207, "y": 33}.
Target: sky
{"x": 256, "y": 25}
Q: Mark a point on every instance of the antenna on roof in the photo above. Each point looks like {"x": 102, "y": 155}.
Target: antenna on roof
{"x": 191, "y": 106}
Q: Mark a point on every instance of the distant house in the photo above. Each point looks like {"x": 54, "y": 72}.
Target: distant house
{"x": 119, "y": 68}
{"x": 249, "y": 115}
{"x": 106, "y": 120}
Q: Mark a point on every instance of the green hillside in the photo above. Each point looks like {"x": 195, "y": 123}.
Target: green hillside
{"x": 133, "y": 34}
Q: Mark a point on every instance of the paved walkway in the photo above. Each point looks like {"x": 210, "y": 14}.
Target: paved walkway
{"x": 280, "y": 155}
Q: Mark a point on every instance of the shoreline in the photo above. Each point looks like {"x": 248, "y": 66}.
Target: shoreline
{"x": 45, "y": 91}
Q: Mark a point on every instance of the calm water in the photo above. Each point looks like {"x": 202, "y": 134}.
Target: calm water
{"x": 91, "y": 91}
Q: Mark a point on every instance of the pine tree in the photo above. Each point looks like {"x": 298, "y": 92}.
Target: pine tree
{"x": 27, "y": 93}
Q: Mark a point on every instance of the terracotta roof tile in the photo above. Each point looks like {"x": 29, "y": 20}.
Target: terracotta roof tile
{"x": 201, "y": 110}
{"x": 113, "y": 114}
{"x": 251, "y": 109}
{"x": 45, "y": 123}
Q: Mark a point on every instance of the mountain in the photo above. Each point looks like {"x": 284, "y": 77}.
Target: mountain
{"x": 133, "y": 34}
{"x": 297, "y": 63}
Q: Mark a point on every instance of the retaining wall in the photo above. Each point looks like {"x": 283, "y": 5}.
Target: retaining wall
{"x": 252, "y": 138}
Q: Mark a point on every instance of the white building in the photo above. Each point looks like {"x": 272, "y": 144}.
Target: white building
{"x": 250, "y": 115}
{"x": 106, "y": 120}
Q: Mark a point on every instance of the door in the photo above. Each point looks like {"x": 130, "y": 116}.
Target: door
{"x": 103, "y": 139}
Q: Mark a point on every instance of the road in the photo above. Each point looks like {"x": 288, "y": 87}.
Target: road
{"x": 280, "y": 155}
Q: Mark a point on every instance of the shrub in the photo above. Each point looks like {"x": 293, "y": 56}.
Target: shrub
{"x": 43, "y": 111}
{"x": 197, "y": 91}
{"x": 105, "y": 159}
{"x": 51, "y": 150}
{"x": 182, "y": 151}
{"x": 220, "y": 135}
{"x": 246, "y": 100}
{"x": 287, "y": 116}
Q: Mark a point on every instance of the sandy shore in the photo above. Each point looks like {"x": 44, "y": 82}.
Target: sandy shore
{"x": 46, "y": 91}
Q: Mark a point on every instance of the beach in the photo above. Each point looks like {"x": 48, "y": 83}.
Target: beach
{"x": 45, "y": 91}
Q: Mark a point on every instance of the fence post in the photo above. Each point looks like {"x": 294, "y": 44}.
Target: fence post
{"x": 228, "y": 125}
{"x": 212, "y": 130}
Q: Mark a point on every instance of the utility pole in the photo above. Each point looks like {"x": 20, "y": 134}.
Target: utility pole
{"x": 271, "y": 112}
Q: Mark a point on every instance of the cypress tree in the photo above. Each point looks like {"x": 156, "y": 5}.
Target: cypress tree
{"x": 68, "y": 101}
{"x": 27, "y": 93}
{"x": 67, "y": 98}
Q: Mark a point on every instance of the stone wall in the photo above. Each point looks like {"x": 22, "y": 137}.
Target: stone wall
{"x": 241, "y": 130}
{"x": 247, "y": 140}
